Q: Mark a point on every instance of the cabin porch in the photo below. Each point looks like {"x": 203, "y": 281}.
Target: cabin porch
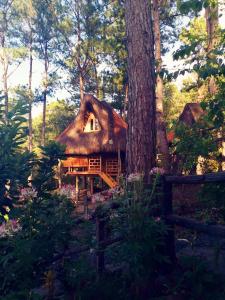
{"x": 107, "y": 168}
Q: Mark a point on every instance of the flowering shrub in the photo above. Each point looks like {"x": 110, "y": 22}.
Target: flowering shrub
{"x": 27, "y": 194}
{"x": 28, "y": 247}
{"x": 133, "y": 177}
{"x": 157, "y": 171}
{"x": 107, "y": 195}
{"x": 9, "y": 228}
{"x": 67, "y": 191}
{"x": 98, "y": 197}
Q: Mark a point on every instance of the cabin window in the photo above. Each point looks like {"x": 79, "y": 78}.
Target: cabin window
{"x": 92, "y": 124}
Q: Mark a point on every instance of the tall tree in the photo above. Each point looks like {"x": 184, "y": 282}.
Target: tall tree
{"x": 5, "y": 14}
{"x": 45, "y": 38}
{"x": 141, "y": 141}
{"x": 11, "y": 53}
{"x": 27, "y": 14}
{"x": 115, "y": 81}
{"x": 78, "y": 24}
{"x": 212, "y": 21}
{"x": 203, "y": 46}
{"x": 162, "y": 143}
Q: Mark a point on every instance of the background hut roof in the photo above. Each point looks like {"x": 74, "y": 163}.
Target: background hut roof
{"x": 111, "y": 136}
{"x": 191, "y": 114}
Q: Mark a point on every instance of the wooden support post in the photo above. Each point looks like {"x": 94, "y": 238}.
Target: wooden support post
{"x": 91, "y": 185}
{"x": 167, "y": 207}
{"x": 77, "y": 188}
{"x": 100, "y": 237}
{"x": 60, "y": 174}
{"x": 119, "y": 165}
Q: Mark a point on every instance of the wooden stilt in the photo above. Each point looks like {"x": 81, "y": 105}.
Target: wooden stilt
{"x": 119, "y": 164}
{"x": 91, "y": 185}
{"x": 77, "y": 188}
{"x": 60, "y": 174}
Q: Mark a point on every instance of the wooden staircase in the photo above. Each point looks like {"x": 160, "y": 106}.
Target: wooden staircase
{"x": 108, "y": 180}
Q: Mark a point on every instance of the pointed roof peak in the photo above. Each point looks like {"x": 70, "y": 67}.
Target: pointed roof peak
{"x": 111, "y": 136}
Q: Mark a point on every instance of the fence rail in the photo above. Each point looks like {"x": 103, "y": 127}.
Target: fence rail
{"x": 196, "y": 179}
{"x": 171, "y": 219}
{"x": 215, "y": 230}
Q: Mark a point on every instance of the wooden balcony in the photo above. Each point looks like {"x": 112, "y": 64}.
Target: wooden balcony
{"x": 106, "y": 169}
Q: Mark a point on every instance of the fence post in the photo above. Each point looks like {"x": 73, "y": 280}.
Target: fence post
{"x": 100, "y": 237}
{"x": 167, "y": 209}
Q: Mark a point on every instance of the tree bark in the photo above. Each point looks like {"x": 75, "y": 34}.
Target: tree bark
{"x": 125, "y": 102}
{"x": 162, "y": 143}
{"x": 141, "y": 137}
{"x": 81, "y": 87}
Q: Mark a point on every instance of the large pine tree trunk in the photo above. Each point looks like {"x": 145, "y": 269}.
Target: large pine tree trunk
{"x": 162, "y": 143}
{"x": 124, "y": 115}
{"x": 141, "y": 140}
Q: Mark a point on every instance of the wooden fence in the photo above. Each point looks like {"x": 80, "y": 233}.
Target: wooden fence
{"x": 167, "y": 214}
{"x": 171, "y": 219}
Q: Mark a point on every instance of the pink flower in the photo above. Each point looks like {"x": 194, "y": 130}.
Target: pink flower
{"x": 133, "y": 177}
{"x": 9, "y": 228}
{"x": 67, "y": 191}
{"x": 27, "y": 194}
{"x": 157, "y": 219}
{"x": 157, "y": 170}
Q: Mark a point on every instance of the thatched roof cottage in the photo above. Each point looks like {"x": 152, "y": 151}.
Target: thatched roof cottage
{"x": 95, "y": 142}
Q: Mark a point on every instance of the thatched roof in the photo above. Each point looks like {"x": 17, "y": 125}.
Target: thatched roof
{"x": 111, "y": 136}
{"x": 191, "y": 114}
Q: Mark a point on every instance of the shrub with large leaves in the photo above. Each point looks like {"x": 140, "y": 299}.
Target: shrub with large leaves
{"x": 44, "y": 179}
{"x": 15, "y": 161}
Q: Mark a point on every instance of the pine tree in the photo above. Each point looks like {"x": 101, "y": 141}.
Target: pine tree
{"x": 10, "y": 51}
{"x": 141, "y": 141}
{"x": 78, "y": 27}
{"x": 26, "y": 14}
{"x": 46, "y": 39}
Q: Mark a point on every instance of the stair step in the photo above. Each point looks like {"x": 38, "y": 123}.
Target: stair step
{"x": 108, "y": 180}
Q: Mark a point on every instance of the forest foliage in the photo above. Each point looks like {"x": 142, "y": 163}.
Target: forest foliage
{"x": 81, "y": 46}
